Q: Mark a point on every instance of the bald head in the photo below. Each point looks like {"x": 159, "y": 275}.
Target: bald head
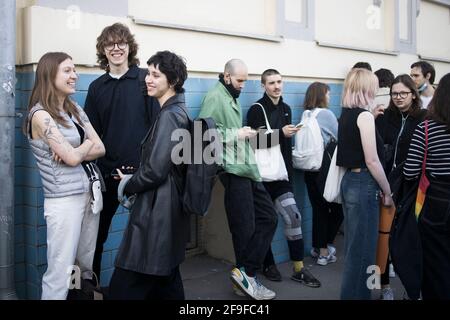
{"x": 236, "y": 73}
{"x": 235, "y": 65}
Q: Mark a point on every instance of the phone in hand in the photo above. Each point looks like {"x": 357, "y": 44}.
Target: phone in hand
{"x": 298, "y": 126}
{"x": 114, "y": 173}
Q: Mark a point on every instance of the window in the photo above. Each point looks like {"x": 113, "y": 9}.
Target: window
{"x": 296, "y": 19}
{"x": 405, "y": 29}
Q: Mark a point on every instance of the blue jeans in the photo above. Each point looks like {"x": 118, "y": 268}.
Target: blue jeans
{"x": 361, "y": 214}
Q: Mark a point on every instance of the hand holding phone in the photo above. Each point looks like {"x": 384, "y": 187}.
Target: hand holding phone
{"x": 298, "y": 126}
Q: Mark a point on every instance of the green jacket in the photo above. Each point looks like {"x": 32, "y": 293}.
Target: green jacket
{"x": 238, "y": 156}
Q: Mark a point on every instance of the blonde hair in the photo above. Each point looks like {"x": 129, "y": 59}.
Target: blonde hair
{"x": 360, "y": 87}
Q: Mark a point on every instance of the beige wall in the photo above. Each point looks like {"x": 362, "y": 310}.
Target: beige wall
{"x": 355, "y": 23}
{"x": 433, "y": 31}
{"x": 250, "y": 16}
{"x": 45, "y": 29}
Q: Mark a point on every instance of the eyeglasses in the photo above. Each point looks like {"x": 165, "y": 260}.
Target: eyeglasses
{"x": 121, "y": 46}
{"x": 403, "y": 94}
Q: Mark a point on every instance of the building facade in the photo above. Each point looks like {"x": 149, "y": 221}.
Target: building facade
{"x": 305, "y": 40}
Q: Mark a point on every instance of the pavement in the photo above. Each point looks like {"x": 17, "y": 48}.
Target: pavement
{"x": 206, "y": 278}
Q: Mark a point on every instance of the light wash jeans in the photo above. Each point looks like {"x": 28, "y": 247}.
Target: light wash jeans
{"x": 71, "y": 238}
{"x": 361, "y": 215}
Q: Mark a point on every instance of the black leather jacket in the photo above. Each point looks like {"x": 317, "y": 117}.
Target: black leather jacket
{"x": 155, "y": 239}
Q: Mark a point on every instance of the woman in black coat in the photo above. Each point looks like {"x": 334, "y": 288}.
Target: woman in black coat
{"x": 396, "y": 127}
{"x": 154, "y": 243}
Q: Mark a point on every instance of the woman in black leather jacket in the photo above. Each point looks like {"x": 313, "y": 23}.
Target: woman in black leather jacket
{"x": 153, "y": 246}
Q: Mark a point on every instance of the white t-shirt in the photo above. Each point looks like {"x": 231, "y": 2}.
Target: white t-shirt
{"x": 425, "y": 101}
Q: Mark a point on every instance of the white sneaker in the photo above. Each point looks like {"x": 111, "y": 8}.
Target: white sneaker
{"x": 391, "y": 271}
{"x": 323, "y": 261}
{"x": 331, "y": 249}
{"x": 261, "y": 292}
{"x": 387, "y": 294}
{"x": 250, "y": 286}
{"x": 315, "y": 253}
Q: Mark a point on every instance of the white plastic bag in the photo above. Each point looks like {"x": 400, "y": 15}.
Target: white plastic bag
{"x": 332, "y": 191}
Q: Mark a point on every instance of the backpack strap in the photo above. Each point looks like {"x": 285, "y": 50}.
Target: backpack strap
{"x": 269, "y": 129}
{"x": 316, "y": 112}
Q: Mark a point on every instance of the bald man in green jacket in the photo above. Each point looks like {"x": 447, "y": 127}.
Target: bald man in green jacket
{"x": 251, "y": 216}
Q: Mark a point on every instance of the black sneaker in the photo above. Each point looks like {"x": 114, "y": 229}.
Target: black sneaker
{"x": 272, "y": 273}
{"x": 305, "y": 277}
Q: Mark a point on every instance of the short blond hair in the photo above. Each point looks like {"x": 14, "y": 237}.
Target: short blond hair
{"x": 360, "y": 87}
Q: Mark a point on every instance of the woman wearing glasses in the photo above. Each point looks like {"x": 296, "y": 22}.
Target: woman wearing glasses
{"x": 396, "y": 127}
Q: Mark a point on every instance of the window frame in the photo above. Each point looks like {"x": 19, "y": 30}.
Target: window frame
{"x": 304, "y": 30}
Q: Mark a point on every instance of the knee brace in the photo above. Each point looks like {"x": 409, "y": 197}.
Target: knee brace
{"x": 286, "y": 206}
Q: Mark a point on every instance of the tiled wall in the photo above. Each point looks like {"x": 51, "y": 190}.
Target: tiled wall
{"x": 30, "y": 227}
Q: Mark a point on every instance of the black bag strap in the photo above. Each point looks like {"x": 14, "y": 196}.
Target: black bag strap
{"x": 85, "y": 164}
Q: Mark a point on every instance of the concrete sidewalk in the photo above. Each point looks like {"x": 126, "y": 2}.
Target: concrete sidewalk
{"x": 206, "y": 278}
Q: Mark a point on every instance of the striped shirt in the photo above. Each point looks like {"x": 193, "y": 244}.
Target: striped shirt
{"x": 438, "y": 158}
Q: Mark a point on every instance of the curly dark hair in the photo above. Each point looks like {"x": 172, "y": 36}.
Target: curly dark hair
{"x": 116, "y": 33}
{"x": 172, "y": 66}
{"x": 439, "y": 109}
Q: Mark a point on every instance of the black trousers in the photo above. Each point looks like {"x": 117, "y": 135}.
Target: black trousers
{"x": 251, "y": 218}
{"x": 110, "y": 205}
{"x": 327, "y": 217}
{"x": 434, "y": 230}
{"x": 296, "y": 252}
{"x": 130, "y": 285}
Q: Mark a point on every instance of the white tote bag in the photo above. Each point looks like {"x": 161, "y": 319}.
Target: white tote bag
{"x": 270, "y": 161}
{"x": 332, "y": 191}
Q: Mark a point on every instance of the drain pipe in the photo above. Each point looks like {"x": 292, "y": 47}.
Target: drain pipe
{"x": 7, "y": 132}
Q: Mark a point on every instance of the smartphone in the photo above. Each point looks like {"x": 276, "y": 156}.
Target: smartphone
{"x": 114, "y": 173}
{"x": 298, "y": 126}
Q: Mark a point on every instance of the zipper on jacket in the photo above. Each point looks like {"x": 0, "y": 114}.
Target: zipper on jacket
{"x": 394, "y": 165}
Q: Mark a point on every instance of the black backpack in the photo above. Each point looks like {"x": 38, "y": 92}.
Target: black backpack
{"x": 200, "y": 174}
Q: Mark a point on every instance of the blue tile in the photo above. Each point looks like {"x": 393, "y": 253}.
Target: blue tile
{"x": 113, "y": 256}
{"x": 30, "y": 215}
{"x": 21, "y": 290}
{"x": 18, "y": 214}
{"x": 106, "y": 260}
{"x": 19, "y": 253}
{"x": 29, "y": 160}
{"x": 26, "y": 81}
{"x": 30, "y": 235}
{"x": 32, "y": 178}
{"x": 19, "y": 236}
{"x": 281, "y": 258}
{"x": 31, "y": 255}
{"x": 32, "y": 274}
{"x": 84, "y": 80}
{"x": 19, "y": 272}
{"x": 40, "y": 217}
{"x": 80, "y": 97}
{"x": 113, "y": 241}
{"x": 42, "y": 255}
{"x": 105, "y": 277}
{"x": 199, "y": 84}
{"x": 336, "y": 88}
{"x": 42, "y": 235}
{"x": 34, "y": 291}
{"x": 194, "y": 100}
{"x": 119, "y": 222}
